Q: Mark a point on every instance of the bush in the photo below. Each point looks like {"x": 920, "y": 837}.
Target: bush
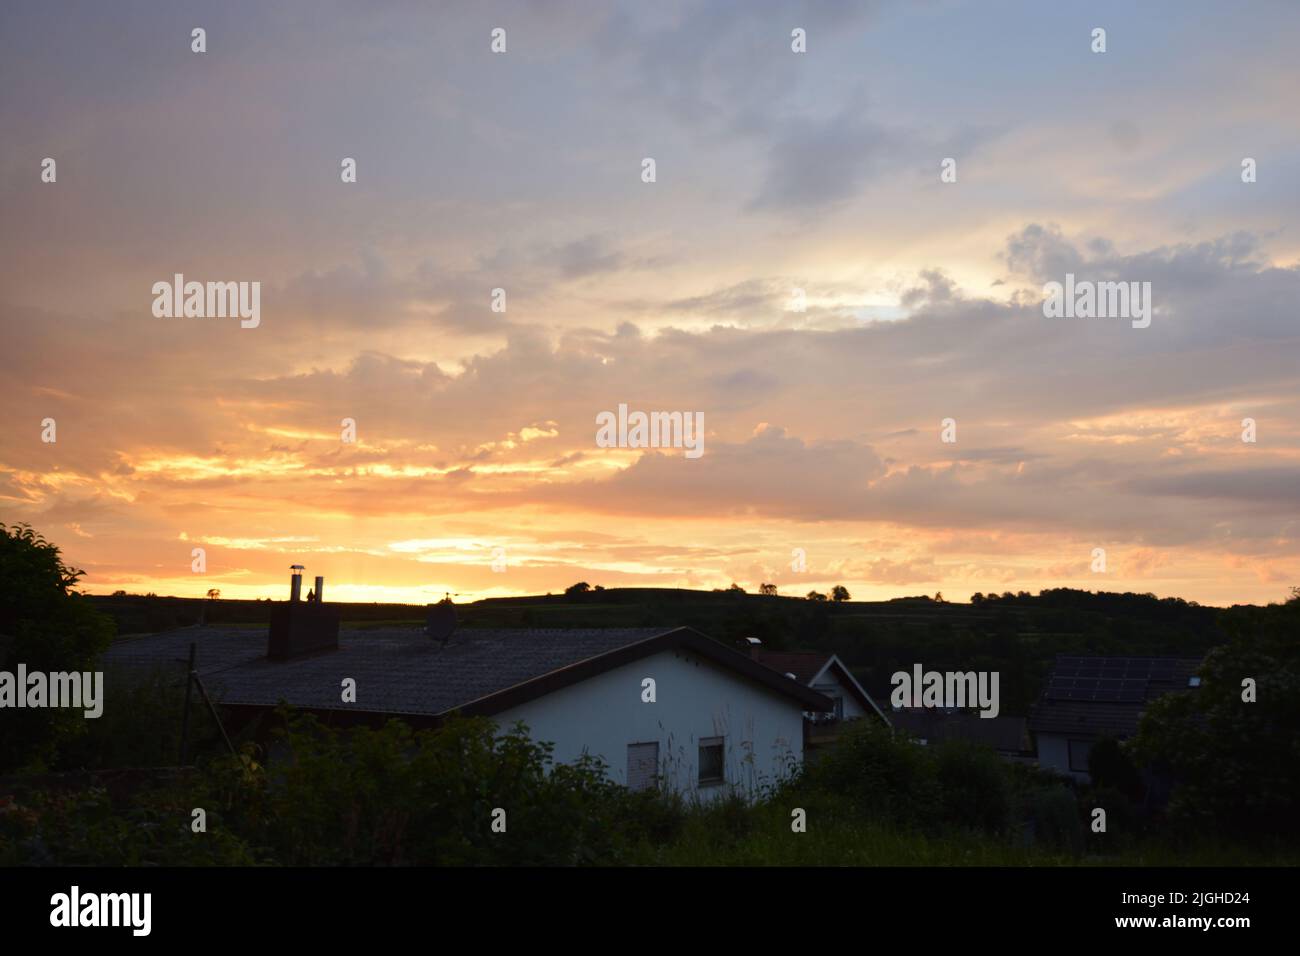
{"x": 1109, "y": 766}
{"x": 47, "y": 625}
{"x": 395, "y": 796}
{"x": 974, "y": 787}
{"x": 1235, "y": 764}
{"x": 1123, "y": 819}
{"x": 886, "y": 776}
{"x": 1054, "y": 814}
{"x": 152, "y": 827}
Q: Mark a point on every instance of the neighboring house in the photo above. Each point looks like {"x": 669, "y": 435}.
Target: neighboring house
{"x": 1088, "y": 698}
{"x": 719, "y": 721}
{"x": 826, "y": 674}
{"x": 1008, "y": 736}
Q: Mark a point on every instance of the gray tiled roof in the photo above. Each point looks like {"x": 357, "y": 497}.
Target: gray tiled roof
{"x": 397, "y": 671}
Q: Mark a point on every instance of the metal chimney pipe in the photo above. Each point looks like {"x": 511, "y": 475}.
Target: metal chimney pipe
{"x": 320, "y": 589}
{"x": 295, "y": 582}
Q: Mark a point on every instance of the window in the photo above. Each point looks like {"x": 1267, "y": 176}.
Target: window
{"x": 836, "y": 695}
{"x": 642, "y": 765}
{"x": 712, "y": 761}
{"x": 1079, "y": 750}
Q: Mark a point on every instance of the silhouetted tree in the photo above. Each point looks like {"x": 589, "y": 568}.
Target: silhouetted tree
{"x": 1230, "y": 744}
{"x": 840, "y": 593}
{"x": 46, "y": 624}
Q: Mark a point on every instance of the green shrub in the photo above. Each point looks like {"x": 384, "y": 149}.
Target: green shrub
{"x": 1123, "y": 819}
{"x": 1054, "y": 814}
{"x": 1109, "y": 766}
{"x": 152, "y": 827}
{"x": 47, "y": 625}
{"x": 395, "y": 796}
{"x": 973, "y": 783}
{"x": 887, "y": 776}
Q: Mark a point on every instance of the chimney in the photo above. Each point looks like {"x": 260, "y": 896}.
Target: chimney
{"x": 320, "y": 589}
{"x": 301, "y": 627}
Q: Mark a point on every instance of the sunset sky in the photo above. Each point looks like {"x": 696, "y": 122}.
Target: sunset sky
{"x": 776, "y": 171}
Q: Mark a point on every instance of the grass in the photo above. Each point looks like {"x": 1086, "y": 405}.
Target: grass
{"x": 841, "y": 844}
{"x": 832, "y": 840}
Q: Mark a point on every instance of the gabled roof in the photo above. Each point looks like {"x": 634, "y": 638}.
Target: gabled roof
{"x": 808, "y": 668}
{"x": 1105, "y": 696}
{"x": 403, "y": 672}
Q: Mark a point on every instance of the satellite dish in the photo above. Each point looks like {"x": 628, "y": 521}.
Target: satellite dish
{"x": 440, "y": 621}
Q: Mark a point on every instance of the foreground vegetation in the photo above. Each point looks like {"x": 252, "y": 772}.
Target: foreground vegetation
{"x": 394, "y": 797}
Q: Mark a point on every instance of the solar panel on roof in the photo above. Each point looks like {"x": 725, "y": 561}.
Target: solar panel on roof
{"x": 1110, "y": 679}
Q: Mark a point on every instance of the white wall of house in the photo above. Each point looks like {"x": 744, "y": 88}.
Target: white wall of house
{"x": 695, "y": 699}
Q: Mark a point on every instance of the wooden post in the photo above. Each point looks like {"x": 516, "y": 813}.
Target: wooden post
{"x": 213, "y": 711}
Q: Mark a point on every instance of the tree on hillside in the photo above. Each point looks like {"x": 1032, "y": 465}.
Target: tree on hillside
{"x": 46, "y": 625}
{"x": 840, "y": 593}
{"x": 1232, "y": 745}
{"x": 573, "y": 590}
{"x": 768, "y": 589}
{"x": 816, "y": 596}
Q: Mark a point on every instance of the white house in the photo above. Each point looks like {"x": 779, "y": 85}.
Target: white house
{"x": 661, "y": 707}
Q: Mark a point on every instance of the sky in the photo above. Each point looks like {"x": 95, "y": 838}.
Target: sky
{"x": 192, "y": 453}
